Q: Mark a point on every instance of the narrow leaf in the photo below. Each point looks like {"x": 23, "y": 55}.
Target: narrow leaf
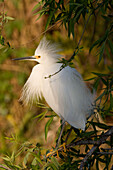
{"x": 40, "y": 115}
{"x": 100, "y": 74}
{"x": 37, "y": 6}
{"x": 55, "y": 162}
{"x": 94, "y": 44}
{"x": 111, "y": 101}
{"x": 110, "y": 46}
{"x": 104, "y": 81}
{"x": 101, "y": 96}
{"x": 101, "y": 52}
{"x": 49, "y": 19}
{"x": 100, "y": 125}
{"x": 37, "y": 158}
{"x": 9, "y": 18}
{"x": 47, "y": 127}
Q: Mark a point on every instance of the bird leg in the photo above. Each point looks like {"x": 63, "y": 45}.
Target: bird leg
{"x": 62, "y": 128}
{"x": 53, "y": 151}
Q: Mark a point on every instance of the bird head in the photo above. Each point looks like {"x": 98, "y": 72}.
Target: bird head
{"x": 45, "y": 53}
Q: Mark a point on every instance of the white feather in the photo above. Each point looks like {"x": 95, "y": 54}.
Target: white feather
{"x": 65, "y": 92}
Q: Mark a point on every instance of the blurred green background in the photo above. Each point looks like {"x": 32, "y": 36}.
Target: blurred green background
{"x": 24, "y": 34}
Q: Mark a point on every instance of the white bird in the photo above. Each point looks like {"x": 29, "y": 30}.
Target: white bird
{"x": 65, "y": 91}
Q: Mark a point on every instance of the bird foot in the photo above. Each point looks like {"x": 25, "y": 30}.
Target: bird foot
{"x": 64, "y": 146}
{"x": 50, "y": 153}
{"x": 57, "y": 150}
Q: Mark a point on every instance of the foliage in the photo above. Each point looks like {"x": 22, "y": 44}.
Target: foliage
{"x": 4, "y": 19}
{"x": 83, "y": 149}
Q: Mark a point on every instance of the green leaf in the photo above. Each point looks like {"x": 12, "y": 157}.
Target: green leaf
{"x": 111, "y": 69}
{"x": 26, "y": 158}
{"x": 77, "y": 16}
{"x": 49, "y": 19}
{"x": 37, "y": 158}
{"x": 100, "y": 74}
{"x": 104, "y": 81}
{"x": 41, "y": 115}
{"x": 47, "y": 127}
{"x": 47, "y": 116}
{"x": 96, "y": 83}
{"x": 37, "y": 5}
{"x": 101, "y": 52}
{"x": 90, "y": 79}
{"x": 100, "y": 125}
{"x": 41, "y": 11}
{"x": 50, "y": 166}
{"x": 110, "y": 45}
{"x": 2, "y": 40}
{"x": 111, "y": 101}
{"x": 94, "y": 44}
{"x": 40, "y": 16}
{"x": 9, "y": 18}
{"x": 100, "y": 97}
{"x": 87, "y": 134}
{"x": 34, "y": 162}
{"x": 100, "y": 41}
{"x": 72, "y": 29}
{"x": 108, "y": 54}
{"x": 55, "y": 162}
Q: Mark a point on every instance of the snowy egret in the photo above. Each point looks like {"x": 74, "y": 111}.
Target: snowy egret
{"x": 65, "y": 91}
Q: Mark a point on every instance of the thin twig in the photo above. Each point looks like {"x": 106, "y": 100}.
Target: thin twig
{"x": 62, "y": 66}
{"x": 82, "y": 142}
{"x": 104, "y": 153}
{"x": 107, "y": 148}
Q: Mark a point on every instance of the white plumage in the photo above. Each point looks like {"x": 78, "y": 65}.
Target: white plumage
{"x": 65, "y": 92}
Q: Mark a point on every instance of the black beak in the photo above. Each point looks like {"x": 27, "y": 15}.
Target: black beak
{"x": 25, "y": 58}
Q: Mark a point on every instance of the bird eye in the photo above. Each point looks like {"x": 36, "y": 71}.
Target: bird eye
{"x": 38, "y": 56}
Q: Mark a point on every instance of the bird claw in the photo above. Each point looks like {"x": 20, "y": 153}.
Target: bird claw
{"x": 52, "y": 152}
{"x": 64, "y": 146}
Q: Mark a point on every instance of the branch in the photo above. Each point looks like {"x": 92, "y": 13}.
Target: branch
{"x": 104, "y": 153}
{"x": 82, "y": 142}
{"x": 99, "y": 142}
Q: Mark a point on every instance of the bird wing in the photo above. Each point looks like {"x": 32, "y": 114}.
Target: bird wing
{"x": 68, "y": 96}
